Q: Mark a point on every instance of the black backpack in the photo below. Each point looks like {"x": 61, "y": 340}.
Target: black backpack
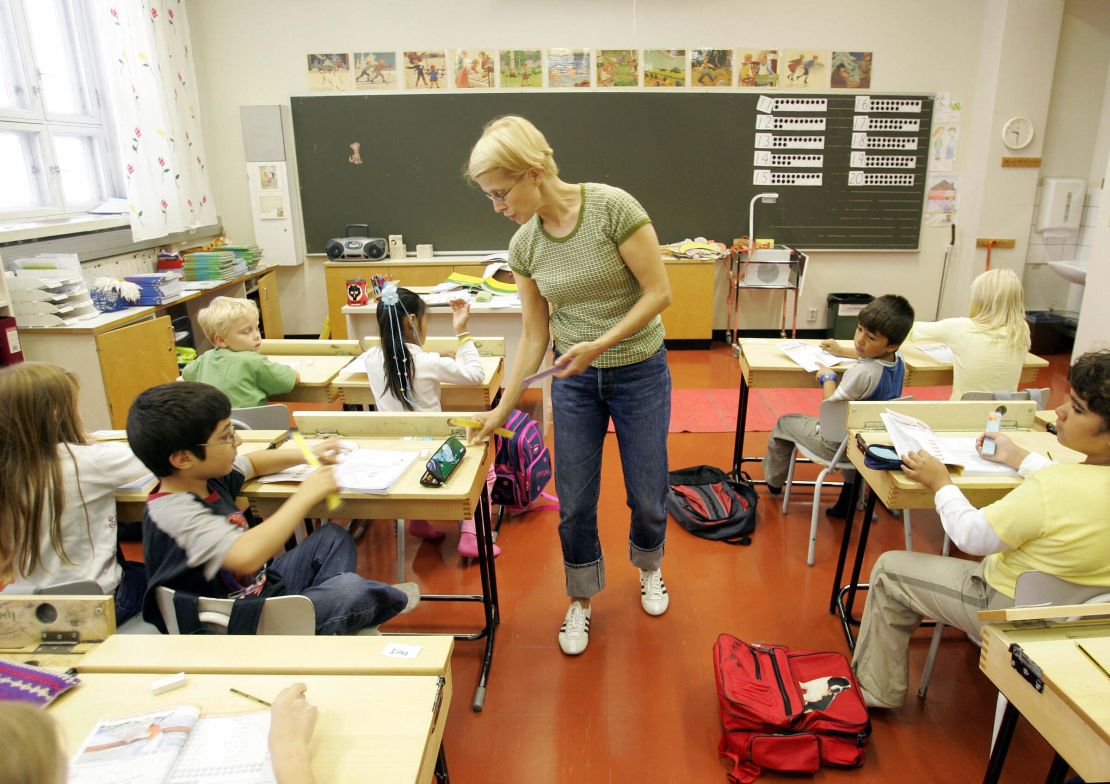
{"x": 710, "y": 504}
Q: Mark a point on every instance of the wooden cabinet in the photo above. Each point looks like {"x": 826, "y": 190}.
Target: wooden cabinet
{"x": 132, "y": 359}
{"x": 269, "y": 304}
{"x": 690, "y": 316}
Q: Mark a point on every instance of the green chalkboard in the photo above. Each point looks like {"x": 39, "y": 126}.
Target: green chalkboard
{"x": 690, "y": 158}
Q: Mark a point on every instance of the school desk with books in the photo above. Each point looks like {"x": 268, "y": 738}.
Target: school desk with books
{"x": 963, "y": 421}
{"x": 462, "y": 497}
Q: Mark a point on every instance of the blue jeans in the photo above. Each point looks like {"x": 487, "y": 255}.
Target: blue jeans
{"x": 130, "y": 591}
{"x": 322, "y": 567}
{"x": 638, "y": 398}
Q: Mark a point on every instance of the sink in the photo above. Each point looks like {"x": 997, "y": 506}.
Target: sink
{"x": 1071, "y": 271}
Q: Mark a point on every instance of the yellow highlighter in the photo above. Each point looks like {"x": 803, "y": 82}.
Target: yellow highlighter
{"x": 310, "y": 457}
{"x": 474, "y": 423}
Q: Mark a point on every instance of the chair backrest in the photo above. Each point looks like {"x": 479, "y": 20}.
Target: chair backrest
{"x": 75, "y": 588}
{"x": 1037, "y": 395}
{"x": 834, "y": 417}
{"x": 272, "y": 417}
{"x": 1040, "y": 589}
{"x": 280, "y": 615}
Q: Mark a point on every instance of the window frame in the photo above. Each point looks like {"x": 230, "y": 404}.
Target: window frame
{"x": 97, "y": 124}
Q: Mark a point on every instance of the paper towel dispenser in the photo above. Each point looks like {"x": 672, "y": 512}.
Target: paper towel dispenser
{"x": 1061, "y": 205}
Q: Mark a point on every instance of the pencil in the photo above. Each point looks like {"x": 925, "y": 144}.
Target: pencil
{"x": 466, "y": 422}
{"x": 310, "y": 458}
{"x": 249, "y": 696}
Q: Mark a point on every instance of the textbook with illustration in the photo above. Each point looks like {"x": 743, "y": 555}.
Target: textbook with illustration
{"x": 809, "y": 355}
{"x": 176, "y": 745}
{"x": 911, "y": 435}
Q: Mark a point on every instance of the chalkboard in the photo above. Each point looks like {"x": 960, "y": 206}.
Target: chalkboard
{"x": 690, "y": 158}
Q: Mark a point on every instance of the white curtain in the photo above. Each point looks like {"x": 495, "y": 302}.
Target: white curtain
{"x": 145, "y": 48}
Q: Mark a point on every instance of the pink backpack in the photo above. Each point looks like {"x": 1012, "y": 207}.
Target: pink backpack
{"x": 522, "y": 464}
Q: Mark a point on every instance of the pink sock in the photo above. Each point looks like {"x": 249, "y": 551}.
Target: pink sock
{"x": 422, "y": 529}
{"x": 468, "y": 541}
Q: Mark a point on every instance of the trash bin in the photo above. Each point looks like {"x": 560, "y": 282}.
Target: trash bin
{"x": 843, "y": 312}
{"x": 1046, "y": 331}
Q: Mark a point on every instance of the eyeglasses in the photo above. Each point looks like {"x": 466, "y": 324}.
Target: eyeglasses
{"x": 505, "y": 193}
{"x": 230, "y": 438}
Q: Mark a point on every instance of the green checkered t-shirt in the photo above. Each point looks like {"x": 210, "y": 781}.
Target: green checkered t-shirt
{"x": 583, "y": 277}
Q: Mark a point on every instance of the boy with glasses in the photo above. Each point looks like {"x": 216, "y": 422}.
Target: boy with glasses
{"x": 196, "y": 540}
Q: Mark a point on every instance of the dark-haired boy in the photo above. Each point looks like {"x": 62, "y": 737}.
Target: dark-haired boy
{"x": 196, "y": 540}
{"x": 879, "y": 374}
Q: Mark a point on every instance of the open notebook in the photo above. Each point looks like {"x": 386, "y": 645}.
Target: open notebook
{"x": 358, "y": 470}
{"x": 176, "y": 745}
{"x": 911, "y": 435}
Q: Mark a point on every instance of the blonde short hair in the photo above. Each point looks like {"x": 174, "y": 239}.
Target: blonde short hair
{"x": 220, "y": 317}
{"x": 998, "y": 303}
{"x": 513, "y": 144}
{"x": 32, "y": 751}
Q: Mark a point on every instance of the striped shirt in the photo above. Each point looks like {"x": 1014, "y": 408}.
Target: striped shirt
{"x": 583, "y": 277}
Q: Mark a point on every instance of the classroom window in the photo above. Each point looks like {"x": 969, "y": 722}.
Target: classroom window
{"x": 53, "y": 127}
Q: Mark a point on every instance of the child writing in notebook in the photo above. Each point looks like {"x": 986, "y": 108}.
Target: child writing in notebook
{"x": 404, "y": 377}
{"x": 234, "y": 366}
{"x": 57, "y": 490}
{"x": 989, "y": 344}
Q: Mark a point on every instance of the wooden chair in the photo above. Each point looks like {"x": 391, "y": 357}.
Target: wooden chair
{"x": 1037, "y": 395}
{"x": 281, "y": 614}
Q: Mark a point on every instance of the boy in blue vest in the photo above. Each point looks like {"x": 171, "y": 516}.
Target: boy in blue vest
{"x": 878, "y": 375}
{"x": 195, "y": 539}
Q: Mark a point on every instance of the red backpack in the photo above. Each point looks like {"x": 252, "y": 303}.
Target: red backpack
{"x": 787, "y": 710}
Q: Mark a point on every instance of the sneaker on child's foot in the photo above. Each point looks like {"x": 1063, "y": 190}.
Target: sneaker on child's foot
{"x": 653, "y": 592}
{"x": 412, "y": 593}
{"x": 422, "y": 529}
{"x": 574, "y": 635}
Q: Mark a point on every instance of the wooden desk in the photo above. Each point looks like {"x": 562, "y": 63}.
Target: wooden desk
{"x": 762, "y": 364}
{"x": 118, "y": 355}
{"x": 462, "y": 497}
{"x": 371, "y": 728}
{"x": 315, "y": 374}
{"x": 353, "y": 388}
{"x": 308, "y": 347}
{"x": 1072, "y": 713}
{"x": 898, "y": 491}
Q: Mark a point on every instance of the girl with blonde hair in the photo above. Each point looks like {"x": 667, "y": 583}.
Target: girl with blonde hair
{"x": 589, "y": 273}
{"x": 990, "y": 343}
{"x": 57, "y": 490}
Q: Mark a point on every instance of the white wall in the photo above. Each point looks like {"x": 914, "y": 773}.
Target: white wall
{"x": 996, "y": 55}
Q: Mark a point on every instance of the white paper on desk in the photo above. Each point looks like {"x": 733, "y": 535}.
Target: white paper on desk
{"x": 808, "y": 356}
{"x": 398, "y": 651}
{"x": 139, "y": 483}
{"x": 356, "y": 365}
{"x": 373, "y": 470}
{"x": 280, "y": 360}
{"x": 445, "y": 297}
{"x": 910, "y": 434}
{"x": 938, "y": 351}
{"x": 498, "y": 301}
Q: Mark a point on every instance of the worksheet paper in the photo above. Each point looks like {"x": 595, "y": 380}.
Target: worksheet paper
{"x": 910, "y": 434}
{"x": 809, "y": 355}
{"x": 360, "y": 471}
{"x": 937, "y": 351}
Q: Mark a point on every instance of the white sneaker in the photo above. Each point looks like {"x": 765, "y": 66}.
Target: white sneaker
{"x": 574, "y": 635}
{"x": 653, "y": 592}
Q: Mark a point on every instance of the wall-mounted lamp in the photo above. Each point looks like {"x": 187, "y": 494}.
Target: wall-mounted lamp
{"x": 766, "y": 198}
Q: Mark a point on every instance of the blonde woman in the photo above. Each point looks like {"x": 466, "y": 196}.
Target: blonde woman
{"x": 990, "y": 343}
{"x": 57, "y": 490}
{"x": 589, "y": 272}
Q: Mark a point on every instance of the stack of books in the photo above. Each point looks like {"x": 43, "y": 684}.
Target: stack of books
{"x": 156, "y": 287}
{"x": 212, "y": 265}
{"x": 248, "y": 254}
{"x": 49, "y": 298}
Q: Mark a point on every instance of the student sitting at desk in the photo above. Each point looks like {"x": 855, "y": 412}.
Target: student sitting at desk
{"x": 195, "y": 539}
{"x": 1053, "y": 522}
{"x": 404, "y": 377}
{"x": 989, "y": 345}
{"x": 57, "y": 490}
{"x": 879, "y": 374}
{"x": 234, "y": 366}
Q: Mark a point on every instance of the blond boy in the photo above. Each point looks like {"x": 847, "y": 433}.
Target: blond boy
{"x": 234, "y": 366}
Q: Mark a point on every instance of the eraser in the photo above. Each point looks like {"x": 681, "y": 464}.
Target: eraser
{"x": 169, "y": 683}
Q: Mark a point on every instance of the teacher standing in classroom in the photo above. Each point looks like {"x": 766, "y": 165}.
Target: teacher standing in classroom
{"x": 589, "y": 271}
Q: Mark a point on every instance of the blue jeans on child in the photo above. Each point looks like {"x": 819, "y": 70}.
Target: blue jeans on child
{"x": 322, "y": 567}
{"x": 638, "y": 398}
{"x": 130, "y": 591}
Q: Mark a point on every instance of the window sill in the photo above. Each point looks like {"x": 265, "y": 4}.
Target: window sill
{"x": 45, "y": 228}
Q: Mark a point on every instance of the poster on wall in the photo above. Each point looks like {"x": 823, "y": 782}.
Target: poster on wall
{"x": 268, "y": 178}
{"x": 568, "y": 68}
{"x": 375, "y": 70}
{"x": 329, "y": 72}
{"x": 757, "y": 68}
{"x": 521, "y": 68}
{"x": 851, "y": 70}
{"x": 942, "y": 199}
{"x": 474, "y": 68}
{"x": 271, "y": 207}
{"x": 425, "y": 70}
{"x": 617, "y": 68}
{"x": 943, "y": 145}
{"x": 804, "y": 69}
{"x": 711, "y": 68}
{"x": 664, "y": 68}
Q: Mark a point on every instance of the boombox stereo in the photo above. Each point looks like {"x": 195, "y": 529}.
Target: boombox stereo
{"x": 351, "y": 247}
